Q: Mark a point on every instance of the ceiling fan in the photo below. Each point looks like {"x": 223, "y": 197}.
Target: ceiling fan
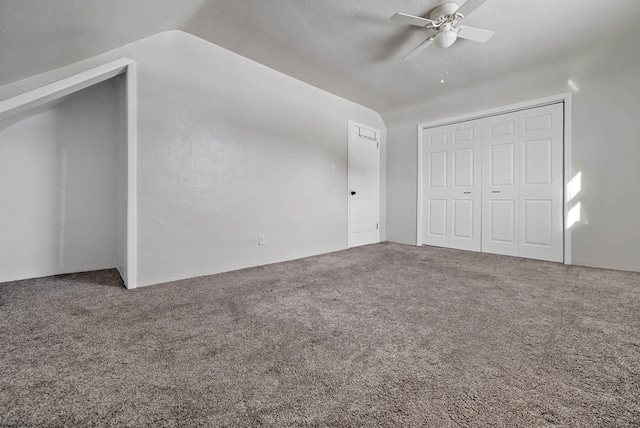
{"x": 443, "y": 27}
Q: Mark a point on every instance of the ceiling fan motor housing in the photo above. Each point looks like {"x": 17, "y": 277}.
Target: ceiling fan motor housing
{"x": 444, "y": 11}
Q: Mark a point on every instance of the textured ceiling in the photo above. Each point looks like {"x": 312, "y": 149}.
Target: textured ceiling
{"x": 347, "y": 47}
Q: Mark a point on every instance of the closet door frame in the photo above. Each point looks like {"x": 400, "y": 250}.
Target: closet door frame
{"x": 565, "y": 99}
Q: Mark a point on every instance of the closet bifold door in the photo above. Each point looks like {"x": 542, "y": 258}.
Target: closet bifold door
{"x": 500, "y": 150}
{"x": 522, "y": 181}
{"x": 541, "y": 183}
{"x": 451, "y": 186}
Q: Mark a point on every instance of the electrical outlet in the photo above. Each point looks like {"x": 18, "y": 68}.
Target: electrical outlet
{"x": 261, "y": 239}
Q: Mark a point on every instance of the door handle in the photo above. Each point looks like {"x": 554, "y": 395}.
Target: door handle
{"x": 467, "y": 193}
{"x": 353, "y": 193}
{"x": 495, "y": 191}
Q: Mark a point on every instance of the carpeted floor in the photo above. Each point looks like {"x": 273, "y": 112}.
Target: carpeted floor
{"x": 383, "y": 335}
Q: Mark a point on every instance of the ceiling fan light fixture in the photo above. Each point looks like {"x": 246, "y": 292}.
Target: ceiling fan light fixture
{"x": 444, "y": 25}
{"x": 445, "y": 38}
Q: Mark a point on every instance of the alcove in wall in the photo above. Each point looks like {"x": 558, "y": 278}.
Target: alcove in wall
{"x": 67, "y": 176}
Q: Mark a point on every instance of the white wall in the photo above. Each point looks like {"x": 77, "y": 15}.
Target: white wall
{"x": 606, "y": 147}
{"x": 58, "y": 187}
{"x": 229, "y": 149}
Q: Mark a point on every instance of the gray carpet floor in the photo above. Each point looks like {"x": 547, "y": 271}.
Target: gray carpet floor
{"x": 382, "y": 335}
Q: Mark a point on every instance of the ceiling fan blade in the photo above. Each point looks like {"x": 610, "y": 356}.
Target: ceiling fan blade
{"x": 470, "y": 6}
{"x": 403, "y": 18}
{"x": 418, "y": 49}
{"x": 475, "y": 34}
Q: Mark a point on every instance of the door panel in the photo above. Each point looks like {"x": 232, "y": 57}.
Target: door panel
{"x": 537, "y": 162}
{"x": 463, "y": 168}
{"x": 503, "y": 219}
{"x": 500, "y": 184}
{"x": 464, "y": 133}
{"x": 523, "y": 165}
{"x": 363, "y": 185}
{"x": 439, "y": 138}
{"x": 438, "y": 218}
{"x": 451, "y": 178}
{"x": 537, "y": 222}
{"x": 534, "y": 121}
{"x": 504, "y": 127}
{"x": 438, "y": 170}
{"x": 434, "y": 221}
{"x": 502, "y": 164}
{"x": 463, "y": 218}
{"x": 541, "y": 189}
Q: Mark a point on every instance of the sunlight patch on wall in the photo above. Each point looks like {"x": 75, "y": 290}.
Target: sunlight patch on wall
{"x": 573, "y": 85}
{"x": 574, "y": 187}
{"x": 573, "y": 216}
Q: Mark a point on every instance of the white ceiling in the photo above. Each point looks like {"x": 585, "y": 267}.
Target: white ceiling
{"x": 347, "y": 47}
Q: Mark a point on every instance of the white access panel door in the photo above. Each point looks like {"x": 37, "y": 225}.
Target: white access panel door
{"x": 364, "y": 185}
{"x": 522, "y": 211}
{"x": 451, "y": 186}
{"x": 541, "y": 181}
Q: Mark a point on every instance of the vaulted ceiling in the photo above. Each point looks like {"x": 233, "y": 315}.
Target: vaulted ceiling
{"x": 347, "y": 47}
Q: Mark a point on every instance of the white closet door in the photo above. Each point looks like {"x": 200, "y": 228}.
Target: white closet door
{"x": 451, "y": 200}
{"x": 522, "y": 184}
{"x": 500, "y": 184}
{"x": 541, "y": 178}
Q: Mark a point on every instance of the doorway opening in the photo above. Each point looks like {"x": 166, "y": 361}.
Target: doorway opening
{"x": 68, "y": 176}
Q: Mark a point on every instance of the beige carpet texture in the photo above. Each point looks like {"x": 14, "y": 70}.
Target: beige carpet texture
{"x": 385, "y": 335}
